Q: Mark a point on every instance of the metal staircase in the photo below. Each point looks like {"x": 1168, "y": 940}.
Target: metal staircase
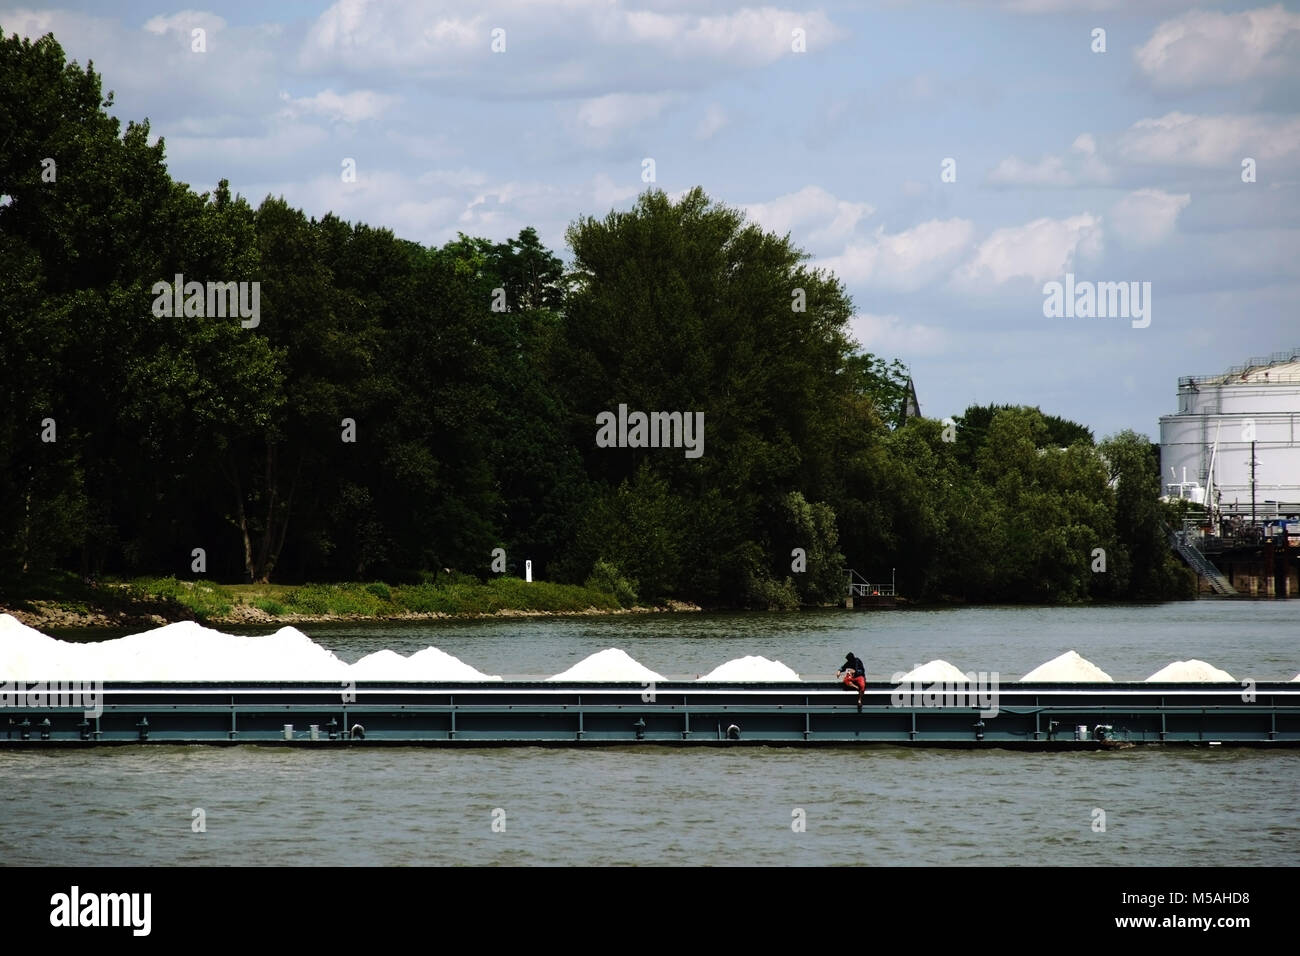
{"x": 1199, "y": 562}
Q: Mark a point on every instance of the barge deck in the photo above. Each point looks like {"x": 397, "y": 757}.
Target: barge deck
{"x": 1020, "y": 716}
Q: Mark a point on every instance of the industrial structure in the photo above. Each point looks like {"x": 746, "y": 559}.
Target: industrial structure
{"x": 1233, "y": 448}
{"x": 1234, "y": 443}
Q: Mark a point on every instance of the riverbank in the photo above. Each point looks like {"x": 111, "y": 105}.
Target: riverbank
{"x": 146, "y": 602}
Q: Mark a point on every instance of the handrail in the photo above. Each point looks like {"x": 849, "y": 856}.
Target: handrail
{"x": 862, "y": 587}
{"x": 1198, "y": 562}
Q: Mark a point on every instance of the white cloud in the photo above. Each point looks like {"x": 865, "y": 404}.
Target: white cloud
{"x": 398, "y": 35}
{"x": 1037, "y": 250}
{"x": 1081, "y": 165}
{"x": 35, "y": 23}
{"x": 1208, "y": 48}
{"x": 569, "y": 45}
{"x": 605, "y": 193}
{"x": 890, "y": 335}
{"x": 614, "y": 118}
{"x": 283, "y": 140}
{"x": 905, "y": 260}
{"x": 1049, "y": 171}
{"x": 714, "y": 119}
{"x": 184, "y": 22}
{"x": 1175, "y": 139}
{"x": 1146, "y": 217}
{"x": 339, "y": 107}
{"x": 1078, "y": 6}
{"x": 378, "y": 196}
{"x": 749, "y": 36}
{"x": 434, "y": 206}
{"x": 452, "y": 177}
{"x": 813, "y": 215}
{"x": 152, "y": 69}
{"x": 1182, "y": 139}
{"x": 620, "y": 110}
{"x": 426, "y": 144}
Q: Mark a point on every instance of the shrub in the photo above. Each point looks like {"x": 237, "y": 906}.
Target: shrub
{"x": 606, "y": 577}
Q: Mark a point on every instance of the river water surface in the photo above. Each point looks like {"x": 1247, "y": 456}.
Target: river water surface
{"x": 658, "y": 805}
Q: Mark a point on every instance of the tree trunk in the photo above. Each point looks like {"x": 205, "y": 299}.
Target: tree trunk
{"x": 262, "y": 546}
{"x": 268, "y": 526}
{"x": 241, "y": 519}
{"x": 274, "y": 556}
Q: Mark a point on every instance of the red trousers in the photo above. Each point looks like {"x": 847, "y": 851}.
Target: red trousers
{"x": 855, "y": 683}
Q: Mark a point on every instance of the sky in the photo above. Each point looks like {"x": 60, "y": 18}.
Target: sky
{"x": 947, "y": 160}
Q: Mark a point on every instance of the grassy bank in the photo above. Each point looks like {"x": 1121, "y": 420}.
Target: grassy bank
{"x": 67, "y": 600}
{"x": 376, "y": 599}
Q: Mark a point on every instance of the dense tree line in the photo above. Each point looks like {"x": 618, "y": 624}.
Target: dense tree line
{"x": 394, "y": 410}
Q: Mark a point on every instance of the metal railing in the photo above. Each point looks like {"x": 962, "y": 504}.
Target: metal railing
{"x": 858, "y": 586}
{"x": 1255, "y": 362}
{"x": 1237, "y": 534}
{"x": 1181, "y": 542}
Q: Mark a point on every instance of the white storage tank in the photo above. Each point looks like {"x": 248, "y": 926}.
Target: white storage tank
{"x": 1259, "y": 400}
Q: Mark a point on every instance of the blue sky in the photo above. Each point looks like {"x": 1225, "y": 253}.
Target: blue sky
{"x": 1122, "y": 166}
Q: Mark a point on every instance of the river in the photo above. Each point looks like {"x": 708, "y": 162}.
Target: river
{"x": 658, "y": 805}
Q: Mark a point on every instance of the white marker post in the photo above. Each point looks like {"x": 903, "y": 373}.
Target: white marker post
{"x": 528, "y": 571}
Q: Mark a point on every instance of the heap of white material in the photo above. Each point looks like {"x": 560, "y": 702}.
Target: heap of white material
{"x": 751, "y": 669}
{"x": 187, "y": 651}
{"x": 381, "y": 665}
{"x": 610, "y": 664}
{"x": 429, "y": 664}
{"x": 1069, "y": 668}
{"x": 432, "y": 664}
{"x": 25, "y": 652}
{"x": 1192, "y": 671}
{"x": 935, "y": 672}
{"x": 183, "y": 651}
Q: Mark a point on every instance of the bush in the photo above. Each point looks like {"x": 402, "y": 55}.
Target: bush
{"x": 341, "y": 599}
{"x": 205, "y": 600}
{"x": 606, "y": 577}
{"x": 423, "y": 599}
{"x": 772, "y": 595}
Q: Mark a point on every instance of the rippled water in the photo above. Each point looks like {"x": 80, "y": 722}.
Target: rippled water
{"x": 1248, "y": 639}
{"x": 656, "y": 805}
{"x": 649, "y": 806}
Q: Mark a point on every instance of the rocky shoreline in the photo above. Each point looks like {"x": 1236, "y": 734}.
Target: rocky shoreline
{"x": 44, "y": 615}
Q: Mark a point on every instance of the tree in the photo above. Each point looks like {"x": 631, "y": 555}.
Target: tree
{"x": 86, "y": 228}
{"x": 1134, "y": 471}
{"x": 391, "y": 413}
{"x": 883, "y": 382}
{"x": 684, "y": 307}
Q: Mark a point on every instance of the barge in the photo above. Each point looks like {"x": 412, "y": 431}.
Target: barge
{"x": 322, "y": 714}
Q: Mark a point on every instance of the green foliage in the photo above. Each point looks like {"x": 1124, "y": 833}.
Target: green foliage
{"x": 810, "y": 526}
{"x": 205, "y": 600}
{"x": 640, "y": 528}
{"x": 683, "y": 306}
{"x": 605, "y": 577}
{"x": 1134, "y": 468}
{"x": 474, "y": 426}
{"x": 882, "y": 382}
